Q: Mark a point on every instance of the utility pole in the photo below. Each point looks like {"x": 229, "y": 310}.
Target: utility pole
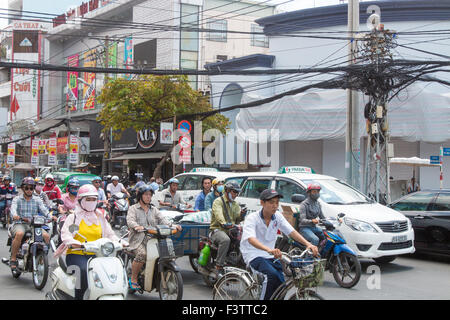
{"x": 106, "y": 164}
{"x": 352, "y": 139}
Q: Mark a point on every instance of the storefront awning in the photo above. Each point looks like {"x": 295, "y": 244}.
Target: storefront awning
{"x": 136, "y": 156}
{"x": 24, "y": 167}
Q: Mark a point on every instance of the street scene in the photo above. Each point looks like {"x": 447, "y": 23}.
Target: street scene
{"x": 215, "y": 150}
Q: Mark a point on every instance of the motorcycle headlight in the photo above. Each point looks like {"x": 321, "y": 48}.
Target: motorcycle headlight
{"x": 39, "y": 220}
{"x": 107, "y": 249}
{"x": 98, "y": 283}
{"x": 165, "y": 231}
{"x": 359, "y": 225}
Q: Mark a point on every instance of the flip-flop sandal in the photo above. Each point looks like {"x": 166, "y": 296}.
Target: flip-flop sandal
{"x": 13, "y": 264}
{"x": 134, "y": 285}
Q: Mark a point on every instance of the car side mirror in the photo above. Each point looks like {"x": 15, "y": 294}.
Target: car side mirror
{"x": 298, "y": 198}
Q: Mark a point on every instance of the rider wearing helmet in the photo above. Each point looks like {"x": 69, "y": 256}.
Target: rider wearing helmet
{"x": 7, "y": 191}
{"x": 309, "y": 215}
{"x": 170, "y": 196}
{"x": 224, "y": 214}
{"x": 115, "y": 187}
{"x": 217, "y": 190}
{"x": 41, "y": 194}
{"x": 70, "y": 197}
{"x": 51, "y": 189}
{"x": 140, "y": 216}
{"x": 23, "y": 209}
{"x": 91, "y": 225}
{"x": 97, "y": 183}
{"x": 200, "y": 201}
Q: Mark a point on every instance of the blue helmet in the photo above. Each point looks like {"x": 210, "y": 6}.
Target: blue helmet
{"x": 73, "y": 182}
{"x": 174, "y": 180}
{"x": 96, "y": 178}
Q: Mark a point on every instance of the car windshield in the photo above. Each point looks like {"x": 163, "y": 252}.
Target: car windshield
{"x": 338, "y": 192}
{"x": 84, "y": 179}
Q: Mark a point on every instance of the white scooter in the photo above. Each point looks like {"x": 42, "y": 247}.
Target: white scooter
{"x": 107, "y": 278}
{"x": 160, "y": 271}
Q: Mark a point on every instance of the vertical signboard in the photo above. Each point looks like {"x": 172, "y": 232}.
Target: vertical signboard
{"x": 166, "y": 133}
{"x": 35, "y": 152}
{"x": 11, "y": 158}
{"x": 72, "y": 83}
{"x": 128, "y": 56}
{"x": 90, "y": 60}
{"x": 74, "y": 150}
{"x": 52, "y": 158}
{"x": 25, "y": 83}
{"x": 112, "y": 58}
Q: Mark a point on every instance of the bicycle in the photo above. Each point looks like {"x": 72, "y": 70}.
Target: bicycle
{"x": 305, "y": 275}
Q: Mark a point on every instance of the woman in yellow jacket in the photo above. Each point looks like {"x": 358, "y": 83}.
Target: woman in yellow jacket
{"x": 92, "y": 226}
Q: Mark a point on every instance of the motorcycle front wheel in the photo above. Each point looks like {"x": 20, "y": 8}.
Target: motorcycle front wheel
{"x": 306, "y": 294}
{"x": 347, "y": 276}
{"x": 40, "y": 270}
{"x": 174, "y": 285}
{"x": 193, "y": 260}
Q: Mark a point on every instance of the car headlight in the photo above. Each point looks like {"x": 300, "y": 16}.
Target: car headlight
{"x": 359, "y": 225}
{"x": 107, "y": 249}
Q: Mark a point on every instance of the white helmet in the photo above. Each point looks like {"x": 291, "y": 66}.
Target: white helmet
{"x": 49, "y": 176}
{"x": 115, "y": 178}
{"x": 88, "y": 190}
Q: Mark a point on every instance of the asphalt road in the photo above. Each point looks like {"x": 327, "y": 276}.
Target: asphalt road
{"x": 407, "y": 278}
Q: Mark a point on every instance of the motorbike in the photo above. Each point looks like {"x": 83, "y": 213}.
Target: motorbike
{"x": 4, "y": 218}
{"x": 342, "y": 261}
{"x": 160, "y": 271}
{"x": 233, "y": 259}
{"x": 32, "y": 255}
{"x": 107, "y": 279}
{"x": 118, "y": 210}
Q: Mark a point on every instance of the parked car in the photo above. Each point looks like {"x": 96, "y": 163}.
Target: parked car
{"x": 372, "y": 230}
{"x": 62, "y": 178}
{"x": 429, "y": 212}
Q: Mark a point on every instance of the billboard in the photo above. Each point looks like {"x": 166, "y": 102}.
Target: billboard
{"x": 128, "y": 56}
{"x": 72, "y": 83}
{"x": 90, "y": 60}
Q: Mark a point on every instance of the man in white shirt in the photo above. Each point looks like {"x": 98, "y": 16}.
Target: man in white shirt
{"x": 115, "y": 187}
{"x": 259, "y": 237}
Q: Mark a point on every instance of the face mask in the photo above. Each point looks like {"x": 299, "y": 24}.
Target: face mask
{"x": 88, "y": 205}
{"x": 220, "y": 189}
{"x": 49, "y": 183}
{"x": 73, "y": 192}
{"x": 39, "y": 188}
{"x": 315, "y": 196}
{"x": 230, "y": 196}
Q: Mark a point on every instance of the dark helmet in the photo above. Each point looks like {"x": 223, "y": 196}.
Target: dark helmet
{"x": 313, "y": 186}
{"x": 233, "y": 185}
{"x": 142, "y": 190}
{"x": 28, "y": 181}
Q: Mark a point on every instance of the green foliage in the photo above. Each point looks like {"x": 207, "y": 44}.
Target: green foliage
{"x": 144, "y": 102}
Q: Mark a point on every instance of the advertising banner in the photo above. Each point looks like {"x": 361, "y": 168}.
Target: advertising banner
{"x": 35, "y": 152}
{"x": 52, "y": 158}
{"x": 166, "y": 132}
{"x": 112, "y": 59}
{"x": 90, "y": 60}
{"x": 72, "y": 83}
{"x": 43, "y": 146}
{"x": 74, "y": 150}
{"x": 11, "y": 158}
{"x": 128, "y": 56}
{"x": 61, "y": 145}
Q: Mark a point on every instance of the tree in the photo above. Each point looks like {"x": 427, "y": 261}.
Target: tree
{"x": 144, "y": 102}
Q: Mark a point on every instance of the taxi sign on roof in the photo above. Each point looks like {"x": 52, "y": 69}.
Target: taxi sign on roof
{"x": 204, "y": 170}
{"x": 295, "y": 170}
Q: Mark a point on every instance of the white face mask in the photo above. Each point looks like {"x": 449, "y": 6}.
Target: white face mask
{"x": 39, "y": 188}
{"x": 88, "y": 205}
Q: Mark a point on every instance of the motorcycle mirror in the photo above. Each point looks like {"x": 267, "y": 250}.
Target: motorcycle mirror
{"x": 341, "y": 215}
{"x": 191, "y": 197}
{"x": 100, "y": 205}
{"x": 298, "y": 198}
{"x": 123, "y": 230}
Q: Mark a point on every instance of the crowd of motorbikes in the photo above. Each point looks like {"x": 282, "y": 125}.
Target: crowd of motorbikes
{"x": 110, "y": 267}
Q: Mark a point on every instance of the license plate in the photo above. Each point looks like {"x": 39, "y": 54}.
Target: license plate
{"x": 398, "y": 239}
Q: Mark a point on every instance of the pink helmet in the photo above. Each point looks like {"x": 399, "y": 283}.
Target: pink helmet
{"x": 313, "y": 186}
{"x": 88, "y": 190}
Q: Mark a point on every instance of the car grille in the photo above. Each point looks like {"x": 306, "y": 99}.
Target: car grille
{"x": 393, "y": 226}
{"x": 395, "y": 246}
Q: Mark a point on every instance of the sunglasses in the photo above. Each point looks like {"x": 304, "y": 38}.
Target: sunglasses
{"x": 28, "y": 188}
{"x": 234, "y": 192}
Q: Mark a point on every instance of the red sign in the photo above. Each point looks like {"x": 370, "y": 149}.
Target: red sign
{"x": 61, "y": 145}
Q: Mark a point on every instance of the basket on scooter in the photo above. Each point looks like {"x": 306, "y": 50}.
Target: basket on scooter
{"x": 308, "y": 272}
{"x": 170, "y": 249}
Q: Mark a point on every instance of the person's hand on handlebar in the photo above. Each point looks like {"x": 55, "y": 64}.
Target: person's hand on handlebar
{"x": 276, "y": 253}
{"x": 177, "y": 226}
{"x": 139, "y": 228}
{"x": 313, "y": 249}
{"x": 315, "y": 221}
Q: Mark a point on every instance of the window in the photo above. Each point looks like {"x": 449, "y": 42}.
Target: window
{"x": 259, "y": 40}
{"x": 220, "y": 25}
{"x": 253, "y": 188}
{"x": 180, "y": 179}
{"x": 83, "y": 179}
{"x": 193, "y": 183}
{"x": 442, "y": 202}
{"x": 416, "y": 202}
{"x": 239, "y": 180}
{"x": 287, "y": 189}
{"x": 220, "y": 58}
{"x": 338, "y": 192}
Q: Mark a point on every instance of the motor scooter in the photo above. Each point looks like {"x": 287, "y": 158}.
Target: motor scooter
{"x": 107, "y": 279}
{"x": 160, "y": 272}
{"x": 118, "y": 210}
